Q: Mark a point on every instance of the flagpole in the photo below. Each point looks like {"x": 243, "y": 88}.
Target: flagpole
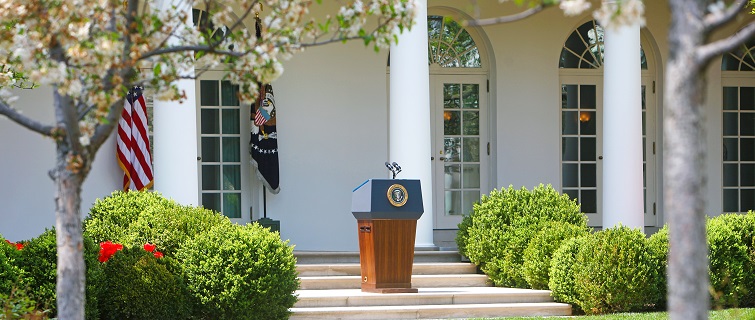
{"x": 264, "y": 201}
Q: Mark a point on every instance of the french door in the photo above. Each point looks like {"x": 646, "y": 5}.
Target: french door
{"x": 582, "y": 145}
{"x": 460, "y": 145}
{"x": 223, "y": 161}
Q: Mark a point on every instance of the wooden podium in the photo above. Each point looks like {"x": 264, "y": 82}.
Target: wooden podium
{"x": 387, "y": 211}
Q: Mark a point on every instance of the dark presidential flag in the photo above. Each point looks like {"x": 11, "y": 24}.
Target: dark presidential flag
{"x": 263, "y": 145}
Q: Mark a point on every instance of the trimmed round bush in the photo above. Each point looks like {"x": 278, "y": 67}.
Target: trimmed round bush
{"x": 743, "y": 226}
{"x": 110, "y": 217}
{"x": 39, "y": 260}
{"x": 137, "y": 285}
{"x": 463, "y": 234}
{"x": 561, "y": 272}
{"x": 240, "y": 272}
{"x": 614, "y": 271}
{"x": 10, "y": 274}
{"x": 503, "y": 223}
{"x": 169, "y": 228}
{"x": 728, "y": 263}
{"x": 537, "y": 256}
{"x": 658, "y": 245}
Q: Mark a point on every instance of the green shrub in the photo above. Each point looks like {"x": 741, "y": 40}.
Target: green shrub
{"x": 658, "y": 245}
{"x": 503, "y": 223}
{"x": 39, "y": 260}
{"x": 169, "y": 228}
{"x": 137, "y": 285}
{"x": 537, "y": 256}
{"x": 615, "y": 271}
{"x": 10, "y": 274}
{"x": 743, "y": 226}
{"x": 561, "y": 272}
{"x": 728, "y": 262}
{"x": 16, "y": 304}
{"x": 110, "y": 218}
{"x": 240, "y": 272}
{"x": 463, "y": 234}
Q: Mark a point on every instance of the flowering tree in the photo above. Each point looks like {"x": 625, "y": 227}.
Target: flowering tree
{"x": 89, "y": 53}
{"x": 691, "y": 52}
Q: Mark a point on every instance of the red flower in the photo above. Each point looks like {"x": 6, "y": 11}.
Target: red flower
{"x": 149, "y": 247}
{"x": 158, "y": 254}
{"x": 18, "y": 245}
{"x": 108, "y": 249}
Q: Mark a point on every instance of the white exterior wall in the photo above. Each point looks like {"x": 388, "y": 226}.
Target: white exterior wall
{"x": 333, "y": 130}
{"x": 27, "y": 192}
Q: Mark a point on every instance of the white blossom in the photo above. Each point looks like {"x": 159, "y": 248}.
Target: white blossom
{"x": 574, "y": 7}
{"x": 613, "y": 14}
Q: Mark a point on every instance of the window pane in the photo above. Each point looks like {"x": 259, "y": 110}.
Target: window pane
{"x": 210, "y": 121}
{"x": 746, "y": 98}
{"x": 471, "y": 149}
{"x": 470, "y": 197}
{"x": 569, "y": 97}
{"x": 748, "y": 200}
{"x": 747, "y": 175}
{"x": 452, "y": 176}
{"x": 731, "y": 200}
{"x": 471, "y": 96}
{"x": 587, "y": 149}
{"x": 588, "y": 175}
{"x": 453, "y": 203}
{"x": 210, "y": 149}
{"x": 569, "y": 148}
{"x": 573, "y": 194}
{"x": 211, "y": 201}
{"x": 232, "y": 177}
{"x": 730, "y": 175}
{"x": 471, "y": 176}
{"x": 587, "y": 122}
{"x": 747, "y": 147}
{"x": 452, "y": 149}
{"x": 230, "y": 98}
{"x": 587, "y": 97}
{"x": 451, "y": 123}
{"x": 589, "y": 201}
{"x": 210, "y": 177}
{"x": 232, "y": 205}
{"x": 730, "y": 98}
{"x": 231, "y": 121}
{"x": 451, "y": 95}
{"x": 231, "y": 149}
{"x": 209, "y": 92}
{"x": 747, "y": 124}
{"x": 471, "y": 123}
{"x": 569, "y": 122}
{"x": 730, "y": 124}
{"x": 569, "y": 175}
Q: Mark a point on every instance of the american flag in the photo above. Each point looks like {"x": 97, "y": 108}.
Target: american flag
{"x": 133, "y": 143}
{"x": 262, "y": 115}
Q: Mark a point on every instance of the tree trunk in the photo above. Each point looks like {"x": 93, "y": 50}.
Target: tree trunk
{"x": 71, "y": 267}
{"x": 684, "y": 181}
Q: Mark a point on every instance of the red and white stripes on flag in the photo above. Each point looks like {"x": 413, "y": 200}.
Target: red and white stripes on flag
{"x": 133, "y": 143}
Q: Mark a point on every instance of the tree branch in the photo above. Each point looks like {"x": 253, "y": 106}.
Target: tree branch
{"x": 103, "y": 129}
{"x": 706, "y": 52}
{"x": 713, "y": 20}
{"x": 24, "y": 121}
{"x": 505, "y": 19}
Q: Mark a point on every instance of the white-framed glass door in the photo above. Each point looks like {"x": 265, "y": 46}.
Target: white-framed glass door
{"x": 223, "y": 127}
{"x": 582, "y": 143}
{"x": 460, "y": 145}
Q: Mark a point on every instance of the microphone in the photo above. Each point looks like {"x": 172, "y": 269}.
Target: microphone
{"x": 388, "y": 165}
{"x": 398, "y": 168}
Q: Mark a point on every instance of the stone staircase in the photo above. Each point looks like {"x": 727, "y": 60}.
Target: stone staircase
{"x": 448, "y": 289}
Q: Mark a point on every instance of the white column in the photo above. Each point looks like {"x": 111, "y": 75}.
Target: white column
{"x": 175, "y": 136}
{"x": 622, "y": 129}
{"x": 410, "y": 116}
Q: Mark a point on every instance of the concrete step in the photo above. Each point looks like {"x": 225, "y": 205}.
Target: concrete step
{"x": 434, "y": 311}
{"x": 354, "y": 269}
{"x": 331, "y": 257}
{"x": 425, "y": 296}
{"x": 418, "y": 281}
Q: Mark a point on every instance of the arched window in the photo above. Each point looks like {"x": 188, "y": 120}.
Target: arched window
{"x": 584, "y": 49}
{"x": 740, "y": 59}
{"x": 450, "y": 45}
